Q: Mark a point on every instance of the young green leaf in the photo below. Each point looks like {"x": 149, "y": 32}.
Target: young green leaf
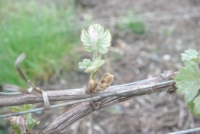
{"x": 189, "y": 55}
{"x": 96, "y": 39}
{"x": 197, "y": 59}
{"x": 17, "y": 109}
{"x": 85, "y": 64}
{"x": 91, "y": 66}
{"x": 188, "y": 80}
{"x": 24, "y": 108}
{"x": 17, "y": 123}
{"x": 26, "y": 122}
{"x": 27, "y": 107}
{"x": 30, "y": 122}
{"x": 104, "y": 42}
{"x": 85, "y": 38}
{"x": 95, "y": 65}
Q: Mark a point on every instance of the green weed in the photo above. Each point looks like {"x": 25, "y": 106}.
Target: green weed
{"x": 133, "y": 22}
{"x": 43, "y": 30}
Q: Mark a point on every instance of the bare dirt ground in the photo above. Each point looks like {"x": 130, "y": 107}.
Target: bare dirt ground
{"x": 171, "y": 28}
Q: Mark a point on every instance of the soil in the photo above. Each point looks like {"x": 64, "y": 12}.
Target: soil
{"x": 171, "y": 27}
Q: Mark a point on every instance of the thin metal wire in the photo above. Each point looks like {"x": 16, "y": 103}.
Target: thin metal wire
{"x": 41, "y": 109}
{"x": 132, "y": 83}
{"x": 11, "y": 93}
{"x": 186, "y": 131}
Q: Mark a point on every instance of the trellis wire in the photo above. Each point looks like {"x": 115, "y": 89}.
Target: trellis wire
{"x": 186, "y": 131}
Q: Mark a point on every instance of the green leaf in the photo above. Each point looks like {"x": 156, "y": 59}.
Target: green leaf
{"x": 27, "y": 107}
{"x": 29, "y": 121}
{"x": 191, "y": 106}
{"x": 188, "y": 80}
{"x": 96, "y": 38}
{"x": 24, "y": 108}
{"x": 17, "y": 123}
{"x": 189, "y": 55}
{"x": 197, "y": 59}
{"x": 17, "y": 109}
{"x": 16, "y": 129}
{"x": 85, "y": 38}
{"x": 95, "y": 65}
{"x": 88, "y": 48}
{"x": 85, "y": 64}
{"x": 104, "y": 42}
{"x": 91, "y": 66}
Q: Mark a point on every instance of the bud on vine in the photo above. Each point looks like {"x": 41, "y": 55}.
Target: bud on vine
{"x": 17, "y": 123}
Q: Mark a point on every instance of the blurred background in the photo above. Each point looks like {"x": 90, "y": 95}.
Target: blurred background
{"x": 147, "y": 38}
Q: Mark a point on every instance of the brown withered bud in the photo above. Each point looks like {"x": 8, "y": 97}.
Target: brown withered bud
{"x": 105, "y": 82}
{"x": 91, "y": 87}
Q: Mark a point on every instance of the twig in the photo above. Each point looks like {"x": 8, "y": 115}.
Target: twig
{"x": 77, "y": 94}
{"x": 7, "y": 87}
{"x": 31, "y": 85}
